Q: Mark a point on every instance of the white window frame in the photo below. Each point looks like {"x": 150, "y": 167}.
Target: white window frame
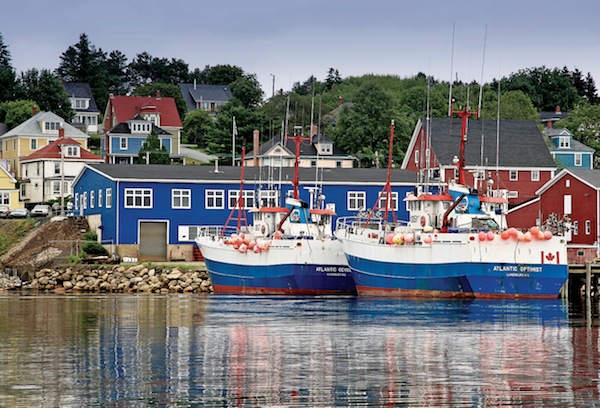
{"x": 567, "y": 183}
{"x": 100, "y": 198}
{"x": 578, "y": 160}
{"x": 84, "y": 200}
{"x": 535, "y": 175}
{"x": 248, "y": 197}
{"x": 567, "y": 205}
{"x": 92, "y": 199}
{"x": 575, "y": 227}
{"x": 356, "y": 200}
{"x": 266, "y": 196}
{"x": 4, "y": 197}
{"x": 214, "y": 199}
{"x": 181, "y": 199}
{"x": 514, "y": 175}
{"x": 383, "y": 199}
{"x": 138, "y": 197}
{"x": 109, "y": 198}
{"x": 588, "y": 227}
{"x": 123, "y": 143}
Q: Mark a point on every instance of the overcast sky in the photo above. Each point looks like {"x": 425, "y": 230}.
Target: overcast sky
{"x": 292, "y": 40}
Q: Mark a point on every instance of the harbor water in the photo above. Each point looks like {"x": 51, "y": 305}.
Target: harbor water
{"x": 242, "y": 351}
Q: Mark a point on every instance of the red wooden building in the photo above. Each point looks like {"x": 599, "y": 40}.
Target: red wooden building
{"x": 572, "y": 194}
{"x": 514, "y": 159}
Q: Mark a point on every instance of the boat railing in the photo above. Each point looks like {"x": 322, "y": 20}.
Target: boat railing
{"x": 357, "y": 223}
{"x": 217, "y": 230}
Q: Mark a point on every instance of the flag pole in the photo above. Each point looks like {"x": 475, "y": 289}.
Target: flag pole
{"x": 233, "y": 134}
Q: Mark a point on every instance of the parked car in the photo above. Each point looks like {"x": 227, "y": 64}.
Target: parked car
{"x": 40, "y": 210}
{"x": 19, "y": 213}
{"x": 4, "y": 211}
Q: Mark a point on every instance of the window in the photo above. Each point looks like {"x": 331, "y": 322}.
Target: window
{"x": 138, "y": 198}
{"x": 268, "y": 197}
{"x": 99, "y": 198}
{"x": 248, "y": 198}
{"x": 108, "y": 197}
{"x": 187, "y": 232}
{"x": 417, "y": 157}
{"x": 535, "y": 175}
{"x": 56, "y": 188}
{"x": 514, "y": 175}
{"x": 37, "y": 169}
{"x": 84, "y": 200}
{"x": 5, "y": 198}
{"x": 76, "y": 201}
{"x": 383, "y": 199}
{"x": 575, "y": 227}
{"x": 567, "y": 183}
{"x": 356, "y": 200}
{"x": 181, "y": 198}
{"x": 564, "y": 142}
{"x": 56, "y": 167}
{"x": 123, "y": 143}
{"x": 51, "y": 126}
{"x": 215, "y": 199}
{"x": 567, "y": 205}
{"x": 338, "y": 164}
{"x": 71, "y": 151}
{"x": 578, "y": 159}
{"x": 92, "y": 199}
{"x": 588, "y": 227}
{"x": 580, "y": 253}
{"x": 33, "y": 144}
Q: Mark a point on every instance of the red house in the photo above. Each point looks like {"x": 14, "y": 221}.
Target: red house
{"x": 514, "y": 160}
{"x": 573, "y": 195}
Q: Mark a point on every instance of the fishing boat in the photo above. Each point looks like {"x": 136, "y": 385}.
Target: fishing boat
{"x": 288, "y": 249}
{"x": 456, "y": 243}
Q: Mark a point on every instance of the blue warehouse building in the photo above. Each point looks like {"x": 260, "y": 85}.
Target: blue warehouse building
{"x": 152, "y": 212}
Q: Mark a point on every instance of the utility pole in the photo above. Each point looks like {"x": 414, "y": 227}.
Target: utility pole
{"x": 273, "y": 91}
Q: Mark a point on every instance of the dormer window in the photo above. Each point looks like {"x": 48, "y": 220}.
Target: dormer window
{"x": 72, "y": 151}
{"x": 80, "y": 103}
{"x": 564, "y": 142}
{"x": 152, "y": 118}
{"x": 140, "y": 127}
{"x": 325, "y": 148}
{"x": 51, "y": 127}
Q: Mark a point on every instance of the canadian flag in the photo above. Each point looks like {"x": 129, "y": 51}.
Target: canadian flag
{"x": 550, "y": 257}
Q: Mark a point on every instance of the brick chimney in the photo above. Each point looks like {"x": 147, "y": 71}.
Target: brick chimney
{"x": 61, "y": 133}
{"x": 340, "y": 100}
{"x": 256, "y": 137}
{"x": 34, "y": 110}
{"x": 158, "y": 95}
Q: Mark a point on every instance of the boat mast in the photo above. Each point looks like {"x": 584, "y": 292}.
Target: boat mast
{"x": 297, "y": 139}
{"x": 238, "y": 210}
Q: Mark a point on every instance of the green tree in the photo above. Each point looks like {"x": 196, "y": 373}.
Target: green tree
{"x": 13, "y": 113}
{"x": 197, "y": 125}
{"x": 220, "y": 74}
{"x": 8, "y": 82}
{"x": 246, "y": 89}
{"x": 152, "y": 152}
{"x": 46, "y": 88}
{"x": 363, "y": 128}
{"x": 166, "y": 90}
{"x": 117, "y": 75}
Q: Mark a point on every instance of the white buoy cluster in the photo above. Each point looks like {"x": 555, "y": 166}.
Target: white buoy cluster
{"x": 244, "y": 243}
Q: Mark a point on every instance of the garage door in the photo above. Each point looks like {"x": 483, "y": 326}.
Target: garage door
{"x": 153, "y": 241}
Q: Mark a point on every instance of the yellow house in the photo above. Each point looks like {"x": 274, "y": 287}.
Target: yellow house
{"x": 9, "y": 194}
{"x": 33, "y": 134}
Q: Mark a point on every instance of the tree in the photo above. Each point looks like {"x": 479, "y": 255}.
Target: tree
{"x": 46, "y": 88}
{"x": 246, "y": 89}
{"x": 333, "y": 78}
{"x": 152, "y": 152}
{"x": 13, "y": 113}
{"x": 116, "y": 70}
{"x": 220, "y": 74}
{"x": 363, "y": 129}
{"x": 8, "y": 83}
{"x": 197, "y": 125}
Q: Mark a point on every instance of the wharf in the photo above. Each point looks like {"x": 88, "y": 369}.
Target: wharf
{"x": 584, "y": 280}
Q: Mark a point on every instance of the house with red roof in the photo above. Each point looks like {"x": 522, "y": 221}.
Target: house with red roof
{"x": 133, "y": 110}
{"x": 44, "y": 170}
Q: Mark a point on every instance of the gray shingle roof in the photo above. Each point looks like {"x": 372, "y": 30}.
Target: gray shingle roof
{"x": 202, "y": 92}
{"x": 590, "y": 176}
{"x": 521, "y": 144}
{"x": 31, "y": 127}
{"x": 158, "y": 172}
{"x": 81, "y": 90}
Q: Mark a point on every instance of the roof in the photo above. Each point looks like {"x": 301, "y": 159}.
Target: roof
{"x": 575, "y": 144}
{"x": 521, "y": 144}
{"x": 81, "y": 90}
{"x": 7, "y": 174}
{"x": 127, "y": 107}
{"x": 306, "y": 148}
{"x": 52, "y": 151}
{"x": 125, "y": 129}
{"x": 592, "y": 177}
{"x": 196, "y": 174}
{"x": 193, "y": 93}
{"x": 32, "y": 127}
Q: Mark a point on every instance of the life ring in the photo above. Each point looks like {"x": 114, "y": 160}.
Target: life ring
{"x": 295, "y": 215}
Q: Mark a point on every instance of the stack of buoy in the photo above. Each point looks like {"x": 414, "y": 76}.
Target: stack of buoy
{"x": 399, "y": 238}
{"x": 244, "y": 244}
{"x": 534, "y": 233}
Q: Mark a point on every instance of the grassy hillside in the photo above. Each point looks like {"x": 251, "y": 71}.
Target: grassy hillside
{"x": 11, "y": 231}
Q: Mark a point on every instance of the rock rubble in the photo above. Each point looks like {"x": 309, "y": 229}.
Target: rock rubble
{"x": 115, "y": 279}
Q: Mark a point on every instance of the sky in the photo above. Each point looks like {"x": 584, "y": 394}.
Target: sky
{"x": 283, "y": 42}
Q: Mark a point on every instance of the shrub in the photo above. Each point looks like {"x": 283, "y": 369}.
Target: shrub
{"x": 93, "y": 248}
{"x": 90, "y": 236}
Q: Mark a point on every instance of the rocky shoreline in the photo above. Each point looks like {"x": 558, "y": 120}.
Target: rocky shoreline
{"x": 112, "y": 279}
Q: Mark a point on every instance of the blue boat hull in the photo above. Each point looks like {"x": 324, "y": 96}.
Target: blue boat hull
{"x": 281, "y": 279}
{"x": 462, "y": 279}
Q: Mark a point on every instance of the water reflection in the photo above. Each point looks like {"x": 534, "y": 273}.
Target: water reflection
{"x": 74, "y": 351}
